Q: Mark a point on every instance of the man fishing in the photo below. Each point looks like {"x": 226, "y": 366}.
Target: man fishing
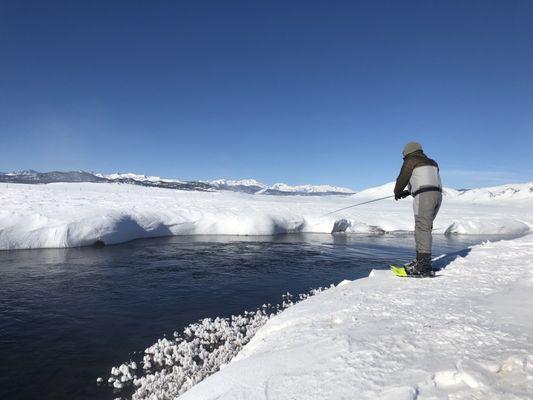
{"x": 421, "y": 175}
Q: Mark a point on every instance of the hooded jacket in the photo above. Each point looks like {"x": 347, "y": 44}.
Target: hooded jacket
{"x": 418, "y": 171}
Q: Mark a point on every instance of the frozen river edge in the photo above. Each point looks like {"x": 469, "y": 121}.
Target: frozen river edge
{"x": 62, "y": 215}
{"x": 466, "y": 334}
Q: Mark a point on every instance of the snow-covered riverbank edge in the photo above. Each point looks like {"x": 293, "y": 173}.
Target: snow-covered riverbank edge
{"x": 466, "y": 334}
{"x": 82, "y": 214}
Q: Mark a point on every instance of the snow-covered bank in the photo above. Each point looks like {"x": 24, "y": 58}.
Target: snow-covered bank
{"x": 467, "y": 334}
{"x": 80, "y": 214}
{"x": 170, "y": 367}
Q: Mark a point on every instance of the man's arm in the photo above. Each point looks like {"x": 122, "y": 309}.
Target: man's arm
{"x": 403, "y": 178}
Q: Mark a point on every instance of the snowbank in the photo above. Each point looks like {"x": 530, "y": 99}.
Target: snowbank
{"x": 476, "y": 226}
{"x": 80, "y": 214}
{"x": 467, "y": 334}
{"x": 170, "y": 367}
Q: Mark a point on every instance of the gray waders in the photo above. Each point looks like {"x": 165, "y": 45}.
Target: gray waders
{"x": 426, "y": 206}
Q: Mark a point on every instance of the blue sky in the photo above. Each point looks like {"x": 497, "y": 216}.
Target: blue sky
{"x": 292, "y": 91}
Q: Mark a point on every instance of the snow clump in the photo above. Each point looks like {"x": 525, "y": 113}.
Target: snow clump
{"x": 172, "y": 366}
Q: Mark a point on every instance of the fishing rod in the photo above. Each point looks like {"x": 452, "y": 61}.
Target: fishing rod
{"x": 359, "y": 204}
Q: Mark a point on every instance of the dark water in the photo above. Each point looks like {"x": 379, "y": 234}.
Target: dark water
{"x": 67, "y": 316}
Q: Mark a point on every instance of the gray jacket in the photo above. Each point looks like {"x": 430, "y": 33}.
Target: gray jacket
{"x": 418, "y": 171}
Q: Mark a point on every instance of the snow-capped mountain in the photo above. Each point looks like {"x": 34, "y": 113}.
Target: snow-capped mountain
{"x": 253, "y": 186}
{"x": 284, "y": 189}
{"x": 31, "y": 176}
{"x": 135, "y": 177}
{"x": 155, "y": 181}
{"x": 34, "y": 177}
{"x": 250, "y": 186}
{"x": 242, "y": 185}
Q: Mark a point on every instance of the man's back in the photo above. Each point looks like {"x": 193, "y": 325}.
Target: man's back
{"x": 419, "y": 171}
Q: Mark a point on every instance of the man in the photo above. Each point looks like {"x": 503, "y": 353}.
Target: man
{"x": 422, "y": 175}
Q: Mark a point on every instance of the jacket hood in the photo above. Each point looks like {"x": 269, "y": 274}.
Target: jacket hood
{"x": 415, "y": 153}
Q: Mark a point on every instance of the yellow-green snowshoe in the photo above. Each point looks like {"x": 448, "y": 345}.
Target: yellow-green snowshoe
{"x": 399, "y": 271}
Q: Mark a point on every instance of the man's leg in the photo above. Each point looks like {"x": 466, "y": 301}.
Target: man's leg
{"x": 426, "y": 207}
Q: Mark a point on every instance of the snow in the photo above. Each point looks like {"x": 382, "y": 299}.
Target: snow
{"x": 81, "y": 214}
{"x": 135, "y": 177}
{"x": 379, "y": 191}
{"x": 172, "y": 366}
{"x": 477, "y": 226}
{"x": 278, "y": 188}
{"x": 515, "y": 191}
{"x": 466, "y": 334}
{"x": 240, "y": 182}
{"x": 252, "y": 185}
{"x": 283, "y": 187}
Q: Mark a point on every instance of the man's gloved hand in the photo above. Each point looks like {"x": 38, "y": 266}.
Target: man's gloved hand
{"x": 405, "y": 193}
{"x": 402, "y": 195}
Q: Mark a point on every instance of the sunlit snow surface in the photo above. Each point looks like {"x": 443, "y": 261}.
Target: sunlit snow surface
{"x": 81, "y": 214}
{"x": 467, "y": 334}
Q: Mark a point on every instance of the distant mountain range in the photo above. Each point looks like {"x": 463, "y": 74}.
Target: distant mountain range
{"x": 250, "y": 186}
{"x": 253, "y": 186}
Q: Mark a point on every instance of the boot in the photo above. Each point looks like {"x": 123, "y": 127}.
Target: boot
{"x": 421, "y": 267}
{"x": 412, "y": 267}
{"x": 424, "y": 264}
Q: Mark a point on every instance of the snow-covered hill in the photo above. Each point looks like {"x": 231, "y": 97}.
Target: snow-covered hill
{"x": 511, "y": 191}
{"x": 378, "y": 191}
{"x": 81, "y": 214}
{"x": 514, "y": 191}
